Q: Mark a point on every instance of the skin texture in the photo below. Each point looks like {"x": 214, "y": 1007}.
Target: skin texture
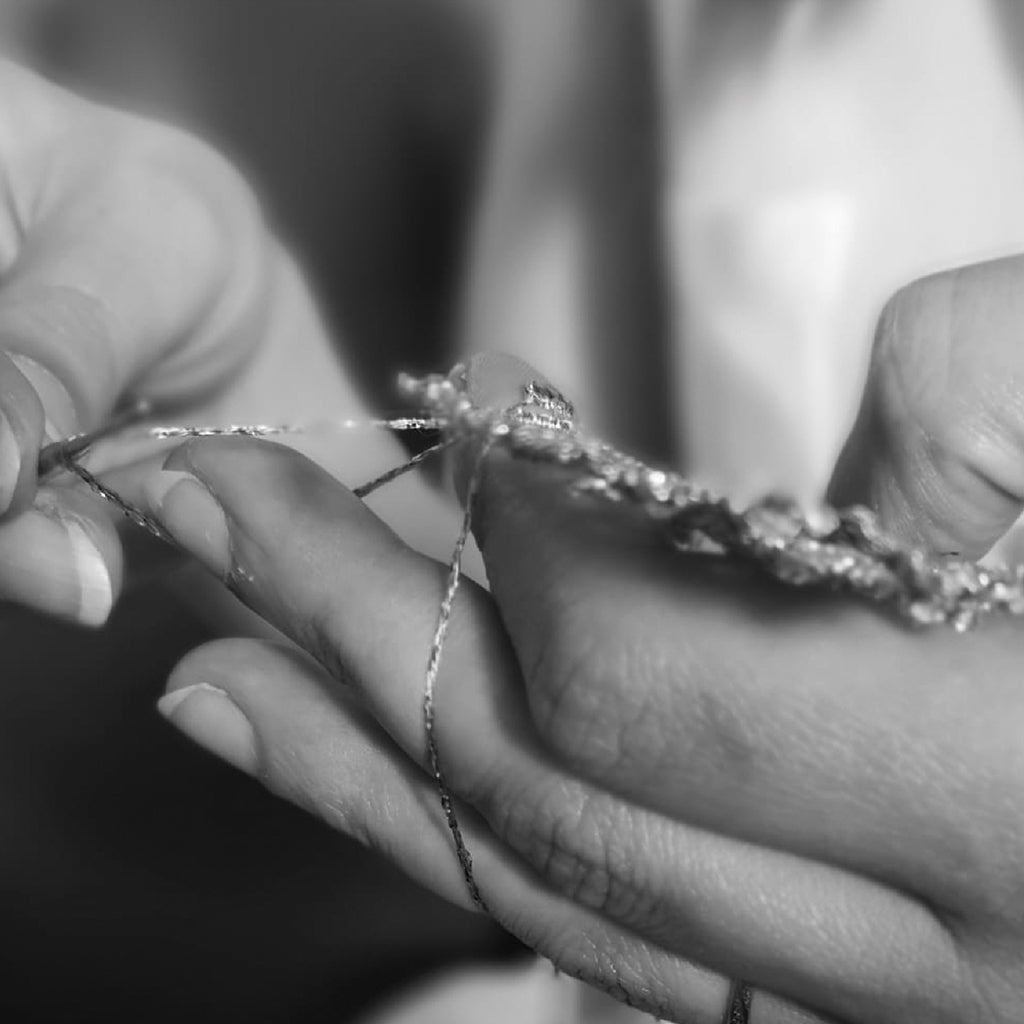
{"x": 669, "y": 772}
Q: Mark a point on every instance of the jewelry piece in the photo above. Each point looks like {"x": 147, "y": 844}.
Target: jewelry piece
{"x": 737, "y": 1010}
{"x": 839, "y": 550}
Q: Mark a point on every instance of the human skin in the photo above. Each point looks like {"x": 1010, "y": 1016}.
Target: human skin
{"x": 135, "y": 261}
{"x": 661, "y": 765}
{"x": 156, "y": 207}
{"x": 671, "y": 772}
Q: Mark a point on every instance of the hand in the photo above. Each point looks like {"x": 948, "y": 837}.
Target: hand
{"x": 670, "y": 772}
{"x": 938, "y": 448}
{"x": 134, "y": 259}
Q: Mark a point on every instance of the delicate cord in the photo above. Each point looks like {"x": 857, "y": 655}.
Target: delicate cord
{"x": 69, "y": 460}
{"x": 433, "y": 667}
{"x": 127, "y": 509}
{"x": 401, "y": 423}
{"x": 56, "y": 455}
{"x": 392, "y": 474}
{"x": 737, "y": 1010}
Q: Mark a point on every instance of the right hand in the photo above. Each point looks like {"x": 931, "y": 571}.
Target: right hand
{"x": 133, "y": 258}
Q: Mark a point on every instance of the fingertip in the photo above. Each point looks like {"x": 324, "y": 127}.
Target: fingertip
{"x": 222, "y": 463}
{"x": 186, "y": 508}
{"x": 494, "y": 380}
{"x": 62, "y": 557}
{"x": 258, "y": 482}
{"x": 209, "y": 717}
{"x": 95, "y": 580}
{"x": 96, "y": 561}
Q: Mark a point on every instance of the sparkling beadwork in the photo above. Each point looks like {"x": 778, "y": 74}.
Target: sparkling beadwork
{"x": 839, "y": 549}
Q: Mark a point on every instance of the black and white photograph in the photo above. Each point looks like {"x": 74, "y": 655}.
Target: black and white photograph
{"x": 512, "y": 511}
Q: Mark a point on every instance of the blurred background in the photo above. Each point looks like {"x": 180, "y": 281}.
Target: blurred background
{"x": 687, "y": 214}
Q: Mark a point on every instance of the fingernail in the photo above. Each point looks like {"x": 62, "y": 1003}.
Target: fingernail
{"x": 495, "y": 380}
{"x": 209, "y": 717}
{"x": 95, "y": 590}
{"x": 10, "y": 464}
{"x": 61, "y": 415}
{"x": 188, "y": 510}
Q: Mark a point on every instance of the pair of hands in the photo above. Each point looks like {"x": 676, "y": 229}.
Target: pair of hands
{"x": 669, "y": 774}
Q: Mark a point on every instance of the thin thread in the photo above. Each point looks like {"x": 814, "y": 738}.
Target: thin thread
{"x": 65, "y": 455}
{"x": 56, "y": 455}
{"x": 433, "y": 668}
{"x": 737, "y": 1010}
{"x": 392, "y": 474}
{"x": 267, "y": 430}
{"x": 68, "y": 460}
{"x": 125, "y": 507}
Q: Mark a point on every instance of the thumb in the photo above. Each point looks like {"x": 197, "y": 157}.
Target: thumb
{"x": 938, "y": 447}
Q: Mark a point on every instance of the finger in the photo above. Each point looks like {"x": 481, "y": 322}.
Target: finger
{"x": 58, "y": 551}
{"x": 938, "y": 447}
{"x": 301, "y": 550}
{"x": 275, "y": 714}
{"x": 62, "y": 556}
{"x": 136, "y": 259}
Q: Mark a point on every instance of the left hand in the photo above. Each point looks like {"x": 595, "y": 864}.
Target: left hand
{"x": 670, "y": 772}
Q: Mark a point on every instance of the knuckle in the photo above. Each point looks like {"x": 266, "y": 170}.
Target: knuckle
{"x": 316, "y": 633}
{"x": 34, "y": 115}
{"x": 904, "y": 378}
{"x": 163, "y": 175}
{"x": 578, "y": 840}
{"x": 594, "y": 695}
{"x": 195, "y": 163}
{"x": 945, "y": 421}
{"x": 628, "y": 708}
{"x": 930, "y": 379}
{"x": 570, "y": 707}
